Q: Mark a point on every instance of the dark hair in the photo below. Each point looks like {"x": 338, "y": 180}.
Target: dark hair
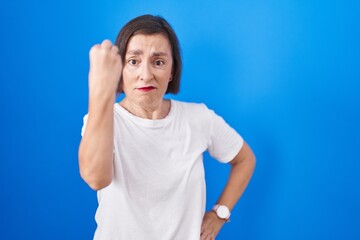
{"x": 148, "y": 25}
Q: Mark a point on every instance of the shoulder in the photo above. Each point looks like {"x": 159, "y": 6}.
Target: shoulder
{"x": 189, "y": 106}
{"x": 196, "y": 114}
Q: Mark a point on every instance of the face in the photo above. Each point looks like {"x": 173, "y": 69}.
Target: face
{"x": 147, "y": 68}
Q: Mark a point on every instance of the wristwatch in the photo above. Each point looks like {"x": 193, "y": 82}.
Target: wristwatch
{"x": 222, "y": 212}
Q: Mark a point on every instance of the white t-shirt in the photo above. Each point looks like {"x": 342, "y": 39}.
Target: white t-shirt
{"x": 158, "y": 189}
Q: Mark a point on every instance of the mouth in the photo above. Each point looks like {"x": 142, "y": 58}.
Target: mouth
{"x": 146, "y": 89}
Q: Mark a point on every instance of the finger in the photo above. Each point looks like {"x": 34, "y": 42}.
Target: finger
{"x": 203, "y": 235}
{"x": 106, "y": 44}
{"x": 209, "y": 237}
{"x": 96, "y": 46}
{"x": 202, "y": 228}
{"x": 213, "y": 236}
{"x": 114, "y": 48}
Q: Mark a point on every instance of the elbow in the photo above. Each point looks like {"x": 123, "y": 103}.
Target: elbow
{"x": 252, "y": 158}
{"x": 245, "y": 159}
{"x": 97, "y": 178}
{"x": 96, "y": 186}
{"x": 96, "y": 183}
{"x": 253, "y": 161}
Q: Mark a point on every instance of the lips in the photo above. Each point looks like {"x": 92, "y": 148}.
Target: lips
{"x": 146, "y": 89}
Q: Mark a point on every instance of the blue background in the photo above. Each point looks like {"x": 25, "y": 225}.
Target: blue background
{"x": 285, "y": 74}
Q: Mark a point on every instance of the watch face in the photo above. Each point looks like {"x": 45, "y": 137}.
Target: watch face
{"x": 222, "y": 212}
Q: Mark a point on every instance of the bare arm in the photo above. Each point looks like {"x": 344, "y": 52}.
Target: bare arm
{"x": 242, "y": 167}
{"x": 96, "y": 146}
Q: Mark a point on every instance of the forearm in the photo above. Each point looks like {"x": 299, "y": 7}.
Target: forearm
{"x": 242, "y": 167}
{"x": 240, "y": 175}
{"x": 96, "y": 147}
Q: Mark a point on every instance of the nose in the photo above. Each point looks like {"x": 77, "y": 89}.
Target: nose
{"x": 145, "y": 73}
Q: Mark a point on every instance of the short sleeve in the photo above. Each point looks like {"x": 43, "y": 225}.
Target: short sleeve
{"x": 224, "y": 143}
{"x": 84, "y": 124}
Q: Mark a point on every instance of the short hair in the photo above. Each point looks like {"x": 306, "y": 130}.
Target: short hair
{"x": 149, "y": 25}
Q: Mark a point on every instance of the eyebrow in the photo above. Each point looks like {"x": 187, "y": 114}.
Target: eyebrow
{"x": 134, "y": 52}
{"x": 140, "y": 52}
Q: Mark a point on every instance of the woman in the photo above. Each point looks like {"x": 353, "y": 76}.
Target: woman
{"x": 143, "y": 155}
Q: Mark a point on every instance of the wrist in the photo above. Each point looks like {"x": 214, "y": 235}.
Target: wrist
{"x": 101, "y": 105}
{"x": 222, "y": 212}
{"x": 97, "y": 95}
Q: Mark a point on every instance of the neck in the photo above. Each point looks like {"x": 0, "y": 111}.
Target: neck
{"x": 153, "y": 110}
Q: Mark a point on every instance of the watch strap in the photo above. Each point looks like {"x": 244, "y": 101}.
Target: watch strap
{"x": 215, "y": 208}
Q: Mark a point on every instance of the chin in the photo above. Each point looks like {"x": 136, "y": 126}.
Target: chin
{"x": 146, "y": 99}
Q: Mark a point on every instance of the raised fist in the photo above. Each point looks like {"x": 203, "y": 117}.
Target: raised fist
{"x": 105, "y": 68}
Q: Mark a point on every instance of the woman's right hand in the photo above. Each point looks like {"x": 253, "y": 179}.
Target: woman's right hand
{"x": 105, "y": 69}
{"x": 96, "y": 147}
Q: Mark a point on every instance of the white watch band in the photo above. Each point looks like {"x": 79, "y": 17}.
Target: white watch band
{"x": 222, "y": 212}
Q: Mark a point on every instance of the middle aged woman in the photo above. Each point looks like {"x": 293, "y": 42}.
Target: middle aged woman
{"x": 144, "y": 155}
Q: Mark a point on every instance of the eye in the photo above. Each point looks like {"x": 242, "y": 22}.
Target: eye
{"x": 133, "y": 62}
{"x": 159, "y": 62}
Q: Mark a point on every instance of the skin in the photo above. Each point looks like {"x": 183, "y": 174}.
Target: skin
{"x": 146, "y": 73}
{"x": 96, "y": 146}
{"x": 242, "y": 167}
{"x": 148, "y": 63}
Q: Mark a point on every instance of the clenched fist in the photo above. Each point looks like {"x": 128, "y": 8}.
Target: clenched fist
{"x": 105, "y": 69}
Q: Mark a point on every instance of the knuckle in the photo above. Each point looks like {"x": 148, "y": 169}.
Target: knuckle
{"x": 92, "y": 49}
